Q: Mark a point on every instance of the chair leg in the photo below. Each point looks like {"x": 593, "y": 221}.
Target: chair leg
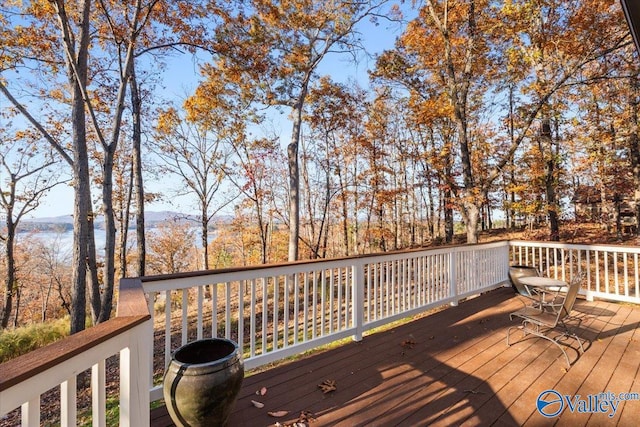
{"x": 509, "y": 333}
{"x": 568, "y": 332}
{"x": 573, "y": 335}
{"x": 538, "y": 333}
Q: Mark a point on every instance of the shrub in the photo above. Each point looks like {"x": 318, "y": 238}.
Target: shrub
{"x": 16, "y": 342}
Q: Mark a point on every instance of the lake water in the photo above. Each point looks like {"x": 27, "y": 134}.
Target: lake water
{"x": 64, "y": 240}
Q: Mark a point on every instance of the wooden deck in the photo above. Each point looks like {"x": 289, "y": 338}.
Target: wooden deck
{"x": 453, "y": 368}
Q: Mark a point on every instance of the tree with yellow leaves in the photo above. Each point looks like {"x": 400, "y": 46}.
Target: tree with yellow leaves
{"x": 272, "y": 49}
{"x": 474, "y": 50}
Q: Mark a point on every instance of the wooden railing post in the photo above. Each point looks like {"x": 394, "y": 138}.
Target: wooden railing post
{"x": 98, "y": 390}
{"x": 135, "y": 359}
{"x": 453, "y": 279}
{"x": 30, "y": 412}
{"x": 134, "y": 381}
{"x": 357, "y": 272}
{"x": 68, "y": 400}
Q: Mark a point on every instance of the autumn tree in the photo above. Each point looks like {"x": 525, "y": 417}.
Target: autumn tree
{"x": 606, "y": 148}
{"x": 556, "y": 47}
{"x": 633, "y": 138}
{"x": 42, "y": 290}
{"x": 272, "y": 50}
{"x": 52, "y": 260}
{"x": 253, "y": 170}
{"x": 196, "y": 151}
{"x": 336, "y": 116}
{"x": 87, "y": 54}
{"x": 172, "y": 248}
{"x": 49, "y": 28}
{"x": 471, "y": 51}
{"x": 27, "y": 174}
{"x": 182, "y": 27}
{"x": 58, "y": 37}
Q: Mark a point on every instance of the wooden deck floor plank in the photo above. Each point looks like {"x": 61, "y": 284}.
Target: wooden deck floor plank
{"x": 511, "y": 382}
{"x": 594, "y": 323}
{"x": 473, "y": 385}
{"x": 449, "y": 398}
{"x": 631, "y": 409}
{"x": 622, "y": 378}
{"x": 379, "y": 352}
{"x": 458, "y": 349}
{"x": 610, "y": 346}
{"x": 318, "y": 368}
{"x": 428, "y": 389}
{"x": 472, "y": 392}
{"x": 352, "y": 350}
{"x": 544, "y": 372}
{"x": 453, "y": 408}
{"x": 426, "y": 370}
{"x": 594, "y": 320}
{"x": 430, "y": 366}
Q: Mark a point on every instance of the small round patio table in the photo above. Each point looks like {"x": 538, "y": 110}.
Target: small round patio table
{"x": 544, "y": 286}
{"x": 543, "y": 282}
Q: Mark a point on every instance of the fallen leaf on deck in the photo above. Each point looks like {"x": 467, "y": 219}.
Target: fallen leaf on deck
{"x": 262, "y": 391}
{"x": 327, "y": 386}
{"x": 408, "y": 343}
{"x": 304, "y": 420}
{"x": 306, "y": 416}
{"x": 257, "y": 404}
{"x": 278, "y": 414}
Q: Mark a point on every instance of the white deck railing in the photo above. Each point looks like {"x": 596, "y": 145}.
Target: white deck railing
{"x": 280, "y": 310}
{"x": 277, "y": 311}
{"x": 128, "y": 337}
{"x": 612, "y": 271}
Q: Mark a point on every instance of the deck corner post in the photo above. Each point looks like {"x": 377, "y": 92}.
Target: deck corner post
{"x": 357, "y": 272}
{"x": 134, "y": 378}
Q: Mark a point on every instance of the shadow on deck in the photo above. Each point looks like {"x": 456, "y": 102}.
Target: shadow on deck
{"x": 452, "y": 368}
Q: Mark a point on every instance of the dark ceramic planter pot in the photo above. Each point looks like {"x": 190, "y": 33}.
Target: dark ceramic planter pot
{"x": 202, "y": 382}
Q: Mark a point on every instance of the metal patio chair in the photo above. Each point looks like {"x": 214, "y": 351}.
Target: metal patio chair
{"x": 549, "y": 297}
{"x": 551, "y": 325}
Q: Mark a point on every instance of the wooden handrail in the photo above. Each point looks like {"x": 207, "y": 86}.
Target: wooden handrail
{"x": 277, "y": 266}
{"x": 132, "y": 311}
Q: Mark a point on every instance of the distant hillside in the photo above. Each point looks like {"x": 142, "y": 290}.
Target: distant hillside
{"x": 65, "y": 222}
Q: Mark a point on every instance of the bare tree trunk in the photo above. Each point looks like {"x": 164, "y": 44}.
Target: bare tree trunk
{"x": 344, "y": 210}
{"x": 634, "y": 147}
{"x": 310, "y": 229}
{"x": 136, "y": 102}
{"x": 81, "y": 179}
{"x": 45, "y": 302}
{"x": 550, "y": 179}
{"x": 80, "y": 224}
{"x": 110, "y": 236}
{"x": 125, "y": 210}
{"x": 294, "y": 182}
{"x": 10, "y": 278}
{"x": 92, "y": 269}
{"x": 18, "y": 300}
{"x": 204, "y": 229}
